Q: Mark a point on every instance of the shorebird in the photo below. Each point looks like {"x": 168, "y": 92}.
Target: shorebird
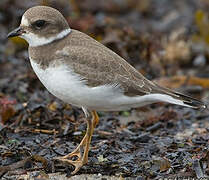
{"x": 81, "y": 71}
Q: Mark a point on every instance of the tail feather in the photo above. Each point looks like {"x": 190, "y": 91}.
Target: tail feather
{"x": 185, "y": 99}
{"x": 190, "y": 101}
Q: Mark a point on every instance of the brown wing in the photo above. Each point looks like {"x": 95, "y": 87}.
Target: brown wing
{"x": 99, "y": 65}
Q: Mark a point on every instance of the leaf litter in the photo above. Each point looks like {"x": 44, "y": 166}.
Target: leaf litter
{"x": 163, "y": 42}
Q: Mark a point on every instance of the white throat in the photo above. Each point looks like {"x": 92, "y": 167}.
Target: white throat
{"x": 34, "y": 40}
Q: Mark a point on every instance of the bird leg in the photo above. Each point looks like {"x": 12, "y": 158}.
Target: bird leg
{"x": 82, "y": 158}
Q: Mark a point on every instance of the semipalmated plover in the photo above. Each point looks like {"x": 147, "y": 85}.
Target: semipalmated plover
{"x": 81, "y": 71}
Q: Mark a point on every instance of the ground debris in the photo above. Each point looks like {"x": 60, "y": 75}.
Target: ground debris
{"x": 165, "y": 43}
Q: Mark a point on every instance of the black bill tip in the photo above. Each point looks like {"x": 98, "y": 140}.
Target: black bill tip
{"x": 16, "y": 32}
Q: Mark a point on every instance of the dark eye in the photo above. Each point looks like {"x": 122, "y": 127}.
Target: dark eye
{"x": 39, "y": 24}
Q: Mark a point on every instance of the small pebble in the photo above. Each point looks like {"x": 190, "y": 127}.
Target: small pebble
{"x": 77, "y": 133}
{"x": 199, "y": 61}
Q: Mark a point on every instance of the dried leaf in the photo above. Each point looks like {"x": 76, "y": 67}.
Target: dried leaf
{"x": 178, "y": 81}
{"x": 202, "y": 22}
{"x": 7, "y": 113}
{"x": 6, "y": 109}
{"x": 177, "y": 50}
{"x": 53, "y": 106}
{"x": 164, "y": 165}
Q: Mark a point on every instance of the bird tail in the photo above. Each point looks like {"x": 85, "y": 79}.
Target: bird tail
{"x": 180, "y": 99}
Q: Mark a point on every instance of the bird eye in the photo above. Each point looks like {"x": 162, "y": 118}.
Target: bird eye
{"x": 39, "y": 24}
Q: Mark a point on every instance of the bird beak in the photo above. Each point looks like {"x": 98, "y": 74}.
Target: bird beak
{"x": 16, "y": 32}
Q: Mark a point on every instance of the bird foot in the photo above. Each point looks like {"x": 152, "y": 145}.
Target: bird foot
{"x": 81, "y": 152}
{"x": 81, "y": 160}
{"x": 77, "y": 163}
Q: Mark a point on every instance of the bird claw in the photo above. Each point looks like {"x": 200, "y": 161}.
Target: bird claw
{"x": 76, "y": 153}
{"x": 77, "y": 164}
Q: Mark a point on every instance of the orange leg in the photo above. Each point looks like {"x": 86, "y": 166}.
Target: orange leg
{"x": 82, "y": 158}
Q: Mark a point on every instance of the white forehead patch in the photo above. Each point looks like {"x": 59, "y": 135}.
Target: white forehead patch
{"x": 34, "y": 40}
{"x": 24, "y": 21}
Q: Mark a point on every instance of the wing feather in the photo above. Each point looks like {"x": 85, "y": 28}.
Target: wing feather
{"x": 99, "y": 66}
